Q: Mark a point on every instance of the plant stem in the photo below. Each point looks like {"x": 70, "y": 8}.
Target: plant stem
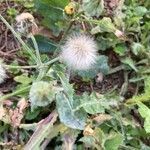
{"x": 37, "y": 50}
{"x": 20, "y": 67}
{"x": 32, "y": 66}
{"x": 14, "y": 93}
{"x": 52, "y": 61}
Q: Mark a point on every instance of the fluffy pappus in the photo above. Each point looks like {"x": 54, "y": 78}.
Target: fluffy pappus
{"x": 79, "y": 52}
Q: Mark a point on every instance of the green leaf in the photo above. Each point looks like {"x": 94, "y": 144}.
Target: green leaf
{"x": 65, "y": 104}
{"x": 88, "y": 140}
{"x": 120, "y": 49}
{"x": 91, "y": 104}
{"x": 71, "y": 119}
{"x": 106, "y": 25}
{"x": 128, "y": 61}
{"x": 145, "y": 113}
{"x": 52, "y": 11}
{"x": 143, "y": 110}
{"x": 93, "y": 7}
{"x": 147, "y": 124}
{"x": 140, "y": 11}
{"x": 12, "y": 12}
{"x": 68, "y": 88}
{"x": 114, "y": 142}
{"x": 28, "y": 4}
{"x": 137, "y": 48}
{"x": 100, "y": 66}
{"x": 30, "y": 115}
{"x": 45, "y": 45}
{"x": 24, "y": 79}
{"x": 96, "y": 140}
{"x": 104, "y": 43}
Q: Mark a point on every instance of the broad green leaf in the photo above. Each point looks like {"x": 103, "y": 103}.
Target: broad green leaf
{"x": 128, "y": 61}
{"x": 75, "y": 120}
{"x": 24, "y": 79}
{"x": 93, "y": 7}
{"x": 100, "y": 66}
{"x": 52, "y": 11}
{"x": 114, "y": 142}
{"x": 45, "y": 45}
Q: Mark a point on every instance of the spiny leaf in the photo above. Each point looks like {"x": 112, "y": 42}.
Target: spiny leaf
{"x": 71, "y": 119}
{"x": 92, "y": 105}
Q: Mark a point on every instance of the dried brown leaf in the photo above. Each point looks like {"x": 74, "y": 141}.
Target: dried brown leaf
{"x": 22, "y": 105}
{"x": 88, "y": 130}
{"x": 17, "y": 114}
{"x": 102, "y": 117}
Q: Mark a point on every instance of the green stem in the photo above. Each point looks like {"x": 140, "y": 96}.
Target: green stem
{"x": 52, "y": 61}
{"x": 41, "y": 74}
{"x": 19, "y": 67}
{"x": 14, "y": 93}
{"x": 37, "y": 50}
{"x": 32, "y": 66}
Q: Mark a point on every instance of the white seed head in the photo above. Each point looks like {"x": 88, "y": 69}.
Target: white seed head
{"x": 2, "y": 74}
{"x": 79, "y": 52}
{"x": 24, "y": 16}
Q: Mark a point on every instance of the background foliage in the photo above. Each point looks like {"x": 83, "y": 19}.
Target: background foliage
{"x": 46, "y": 109}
